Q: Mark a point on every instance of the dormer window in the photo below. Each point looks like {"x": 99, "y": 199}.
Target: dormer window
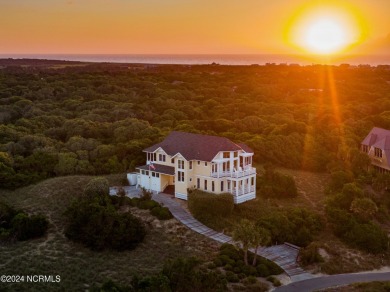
{"x": 161, "y": 157}
{"x": 152, "y": 156}
{"x": 378, "y": 152}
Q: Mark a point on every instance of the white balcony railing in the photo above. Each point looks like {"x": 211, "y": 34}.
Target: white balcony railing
{"x": 234, "y": 174}
{"x": 241, "y": 191}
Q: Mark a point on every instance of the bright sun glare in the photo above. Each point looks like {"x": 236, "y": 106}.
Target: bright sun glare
{"x": 325, "y": 36}
{"x": 325, "y": 30}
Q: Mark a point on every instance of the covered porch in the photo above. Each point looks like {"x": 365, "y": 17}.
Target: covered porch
{"x": 242, "y": 189}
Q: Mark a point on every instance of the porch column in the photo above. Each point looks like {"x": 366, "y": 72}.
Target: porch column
{"x": 243, "y": 186}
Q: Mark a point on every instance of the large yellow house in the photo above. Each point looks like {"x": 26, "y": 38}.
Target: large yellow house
{"x": 192, "y": 161}
{"x": 377, "y": 146}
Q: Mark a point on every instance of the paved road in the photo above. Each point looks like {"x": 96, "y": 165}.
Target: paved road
{"x": 284, "y": 255}
{"x": 331, "y": 281}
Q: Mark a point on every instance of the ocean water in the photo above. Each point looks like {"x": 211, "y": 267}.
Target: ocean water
{"x": 223, "y": 59}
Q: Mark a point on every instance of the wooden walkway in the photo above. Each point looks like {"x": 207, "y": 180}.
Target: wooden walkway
{"x": 284, "y": 255}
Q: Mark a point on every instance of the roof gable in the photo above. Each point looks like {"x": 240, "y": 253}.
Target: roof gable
{"x": 375, "y": 136}
{"x": 194, "y": 146}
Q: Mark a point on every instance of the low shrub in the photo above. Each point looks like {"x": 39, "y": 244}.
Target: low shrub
{"x": 147, "y": 204}
{"x": 101, "y": 226}
{"x": 369, "y": 237}
{"x": 262, "y": 271}
{"x": 97, "y": 187}
{"x": 231, "y": 277}
{"x": 146, "y": 195}
{"x": 230, "y": 251}
{"x": 115, "y": 200}
{"x": 184, "y": 274}
{"x": 249, "y": 270}
{"x": 211, "y": 266}
{"x": 237, "y": 269}
{"x": 5, "y": 234}
{"x": 6, "y": 215}
{"x": 19, "y": 225}
{"x": 274, "y": 281}
{"x": 276, "y": 185}
{"x": 273, "y": 268}
{"x": 228, "y": 267}
{"x": 161, "y": 213}
{"x": 206, "y": 206}
{"x": 218, "y": 262}
{"x": 231, "y": 258}
{"x": 25, "y": 227}
{"x": 250, "y": 280}
{"x": 226, "y": 260}
{"x": 310, "y": 255}
{"x": 241, "y": 276}
{"x": 294, "y": 225}
{"x": 135, "y": 202}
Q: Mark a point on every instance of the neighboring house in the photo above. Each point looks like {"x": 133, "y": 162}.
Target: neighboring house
{"x": 377, "y": 146}
{"x": 192, "y": 161}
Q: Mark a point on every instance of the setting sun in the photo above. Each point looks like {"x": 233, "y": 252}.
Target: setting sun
{"x": 325, "y": 30}
{"x": 325, "y": 36}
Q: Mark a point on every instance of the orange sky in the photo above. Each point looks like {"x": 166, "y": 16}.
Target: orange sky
{"x": 168, "y": 26}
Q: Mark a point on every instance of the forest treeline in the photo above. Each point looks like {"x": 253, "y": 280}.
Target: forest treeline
{"x": 96, "y": 118}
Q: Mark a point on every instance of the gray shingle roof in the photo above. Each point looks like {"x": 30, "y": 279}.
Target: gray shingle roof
{"x": 195, "y": 146}
{"x": 375, "y": 136}
{"x": 379, "y": 138}
{"x": 246, "y": 148}
{"x": 164, "y": 169}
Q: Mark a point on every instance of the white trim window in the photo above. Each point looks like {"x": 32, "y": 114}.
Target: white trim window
{"x": 180, "y": 176}
{"x": 378, "y": 152}
{"x": 152, "y": 156}
{"x": 180, "y": 164}
{"x": 190, "y": 165}
{"x": 161, "y": 157}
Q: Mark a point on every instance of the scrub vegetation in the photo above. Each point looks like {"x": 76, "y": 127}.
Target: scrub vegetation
{"x": 95, "y": 119}
{"x": 79, "y": 266}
